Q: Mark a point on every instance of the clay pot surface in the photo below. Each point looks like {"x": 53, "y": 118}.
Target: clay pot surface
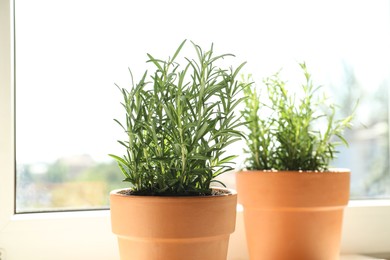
{"x": 293, "y": 215}
{"x": 174, "y": 228}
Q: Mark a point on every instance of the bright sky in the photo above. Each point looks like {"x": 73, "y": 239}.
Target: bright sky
{"x": 70, "y": 54}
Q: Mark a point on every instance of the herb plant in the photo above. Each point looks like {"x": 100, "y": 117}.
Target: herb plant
{"x": 284, "y": 132}
{"x": 179, "y": 122}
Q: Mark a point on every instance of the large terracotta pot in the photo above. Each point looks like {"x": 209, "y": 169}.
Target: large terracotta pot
{"x": 293, "y": 215}
{"x": 173, "y": 228}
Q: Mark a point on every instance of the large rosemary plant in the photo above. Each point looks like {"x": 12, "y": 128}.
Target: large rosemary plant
{"x": 291, "y": 132}
{"x": 179, "y": 121}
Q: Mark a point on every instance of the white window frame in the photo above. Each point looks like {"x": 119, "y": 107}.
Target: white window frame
{"x": 87, "y": 234}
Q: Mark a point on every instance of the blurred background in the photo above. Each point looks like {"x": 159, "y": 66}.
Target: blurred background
{"x": 70, "y": 53}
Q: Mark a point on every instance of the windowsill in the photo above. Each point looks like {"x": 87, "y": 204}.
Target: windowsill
{"x": 98, "y": 223}
{"x": 359, "y": 257}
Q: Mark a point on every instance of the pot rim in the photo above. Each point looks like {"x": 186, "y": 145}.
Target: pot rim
{"x": 232, "y": 192}
{"x": 330, "y": 170}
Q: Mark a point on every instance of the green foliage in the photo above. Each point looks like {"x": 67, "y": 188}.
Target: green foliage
{"x": 287, "y": 138}
{"x": 179, "y": 124}
{"x": 259, "y": 139}
{"x": 57, "y": 172}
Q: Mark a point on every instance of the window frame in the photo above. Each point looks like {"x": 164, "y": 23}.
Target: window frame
{"x": 87, "y": 234}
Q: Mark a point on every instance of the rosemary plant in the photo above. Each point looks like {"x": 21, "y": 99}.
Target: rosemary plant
{"x": 284, "y": 133}
{"x": 179, "y": 121}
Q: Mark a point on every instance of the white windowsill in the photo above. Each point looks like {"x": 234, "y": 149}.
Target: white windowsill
{"x": 358, "y": 257}
{"x": 24, "y": 228}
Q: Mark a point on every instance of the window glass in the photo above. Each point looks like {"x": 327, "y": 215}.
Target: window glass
{"x": 70, "y": 53}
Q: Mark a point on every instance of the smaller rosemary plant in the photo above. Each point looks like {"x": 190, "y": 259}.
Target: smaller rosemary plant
{"x": 284, "y": 133}
{"x": 178, "y": 125}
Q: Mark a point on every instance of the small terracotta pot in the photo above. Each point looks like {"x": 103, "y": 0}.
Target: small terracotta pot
{"x": 293, "y": 215}
{"x": 173, "y": 228}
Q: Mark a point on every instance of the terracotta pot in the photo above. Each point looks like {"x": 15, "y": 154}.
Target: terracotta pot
{"x": 173, "y": 228}
{"x": 293, "y": 215}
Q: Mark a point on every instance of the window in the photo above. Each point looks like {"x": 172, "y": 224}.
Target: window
{"x": 56, "y": 44}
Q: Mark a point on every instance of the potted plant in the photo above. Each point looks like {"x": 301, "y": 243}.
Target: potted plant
{"x": 293, "y": 202}
{"x": 178, "y": 124}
